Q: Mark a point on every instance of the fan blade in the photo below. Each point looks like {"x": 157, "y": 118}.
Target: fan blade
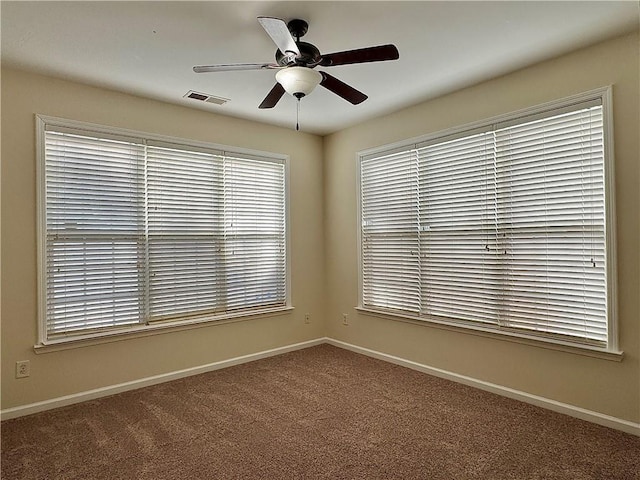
{"x": 341, "y": 89}
{"x": 234, "y": 66}
{"x": 280, "y": 35}
{"x": 272, "y": 97}
{"x": 362, "y": 55}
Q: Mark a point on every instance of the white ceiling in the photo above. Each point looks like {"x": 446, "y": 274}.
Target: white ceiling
{"x": 149, "y": 48}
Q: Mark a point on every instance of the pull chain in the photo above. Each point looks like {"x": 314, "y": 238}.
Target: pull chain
{"x": 298, "y": 115}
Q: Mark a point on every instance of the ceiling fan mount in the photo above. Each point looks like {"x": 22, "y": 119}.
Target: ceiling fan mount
{"x": 298, "y": 28}
{"x": 295, "y": 61}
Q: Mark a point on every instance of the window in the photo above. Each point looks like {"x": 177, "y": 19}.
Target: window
{"x": 138, "y": 229}
{"x": 504, "y": 226}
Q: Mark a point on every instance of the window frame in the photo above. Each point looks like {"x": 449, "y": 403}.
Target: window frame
{"x": 157, "y": 326}
{"x": 605, "y": 96}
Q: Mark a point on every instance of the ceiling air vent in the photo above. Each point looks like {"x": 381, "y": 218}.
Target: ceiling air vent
{"x": 203, "y": 97}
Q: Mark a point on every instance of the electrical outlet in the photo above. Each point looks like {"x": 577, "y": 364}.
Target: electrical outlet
{"x": 345, "y": 319}
{"x": 23, "y": 369}
{"x": 307, "y": 318}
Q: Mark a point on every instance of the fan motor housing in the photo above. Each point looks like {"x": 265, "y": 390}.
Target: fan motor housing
{"x": 309, "y": 56}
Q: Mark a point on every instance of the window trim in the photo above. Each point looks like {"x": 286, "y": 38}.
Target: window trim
{"x": 155, "y": 328}
{"x": 504, "y": 335}
{"x": 605, "y": 95}
{"x": 82, "y": 339}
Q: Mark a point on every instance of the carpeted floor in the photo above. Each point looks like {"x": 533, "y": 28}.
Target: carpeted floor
{"x": 317, "y": 413}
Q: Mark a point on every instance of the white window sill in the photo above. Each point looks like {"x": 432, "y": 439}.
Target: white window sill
{"x": 549, "y": 343}
{"x": 157, "y": 328}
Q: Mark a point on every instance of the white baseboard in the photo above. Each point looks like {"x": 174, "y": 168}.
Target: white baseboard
{"x": 145, "y": 382}
{"x": 571, "y": 410}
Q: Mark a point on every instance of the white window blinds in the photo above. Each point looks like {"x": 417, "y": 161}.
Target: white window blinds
{"x": 550, "y": 176}
{"x": 138, "y": 231}
{"x": 390, "y": 243}
{"x": 457, "y": 241}
{"x": 94, "y": 232}
{"x": 503, "y": 229}
{"x": 254, "y": 235}
{"x": 185, "y": 200}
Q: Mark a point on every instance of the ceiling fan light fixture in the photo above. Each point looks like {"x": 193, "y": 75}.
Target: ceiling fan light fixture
{"x": 298, "y": 81}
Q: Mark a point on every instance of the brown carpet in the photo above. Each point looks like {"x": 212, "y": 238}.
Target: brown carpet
{"x": 317, "y": 413}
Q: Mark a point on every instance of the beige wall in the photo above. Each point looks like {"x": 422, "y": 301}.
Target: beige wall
{"x": 323, "y": 239}
{"x": 62, "y": 373}
{"x": 603, "y": 386}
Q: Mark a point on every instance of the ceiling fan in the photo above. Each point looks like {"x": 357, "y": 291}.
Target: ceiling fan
{"x": 295, "y": 61}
